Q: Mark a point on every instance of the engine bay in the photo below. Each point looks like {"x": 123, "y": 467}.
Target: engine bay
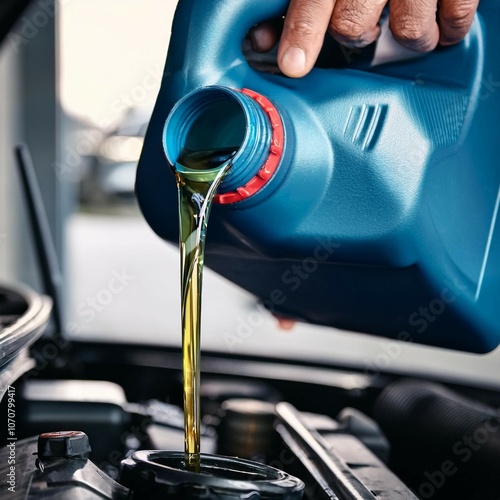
{"x": 106, "y": 421}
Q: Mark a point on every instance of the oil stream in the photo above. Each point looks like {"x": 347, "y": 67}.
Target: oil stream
{"x": 198, "y": 175}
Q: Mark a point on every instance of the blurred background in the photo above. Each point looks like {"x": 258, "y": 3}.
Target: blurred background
{"x": 78, "y": 80}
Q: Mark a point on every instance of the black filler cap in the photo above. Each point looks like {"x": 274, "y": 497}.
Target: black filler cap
{"x": 63, "y": 444}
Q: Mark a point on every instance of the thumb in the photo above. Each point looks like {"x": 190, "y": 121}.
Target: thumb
{"x": 304, "y": 31}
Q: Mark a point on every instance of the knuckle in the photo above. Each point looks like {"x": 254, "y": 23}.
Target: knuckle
{"x": 411, "y": 34}
{"x": 460, "y": 17}
{"x": 349, "y": 23}
{"x": 347, "y": 28}
{"x": 302, "y": 22}
{"x": 301, "y": 29}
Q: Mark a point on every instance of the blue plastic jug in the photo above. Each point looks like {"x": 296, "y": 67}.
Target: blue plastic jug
{"x": 362, "y": 199}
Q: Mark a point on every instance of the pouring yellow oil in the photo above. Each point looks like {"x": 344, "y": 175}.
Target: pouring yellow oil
{"x": 198, "y": 175}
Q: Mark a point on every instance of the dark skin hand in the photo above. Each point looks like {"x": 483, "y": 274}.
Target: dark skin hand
{"x": 419, "y": 25}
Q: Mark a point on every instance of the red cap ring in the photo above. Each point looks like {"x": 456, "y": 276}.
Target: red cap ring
{"x": 271, "y": 164}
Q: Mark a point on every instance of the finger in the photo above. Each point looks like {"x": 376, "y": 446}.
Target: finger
{"x": 355, "y": 22}
{"x": 455, "y": 19}
{"x": 265, "y": 35}
{"x": 304, "y": 31}
{"x": 413, "y": 24}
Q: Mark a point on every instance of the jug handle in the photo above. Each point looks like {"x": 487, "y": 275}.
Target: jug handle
{"x": 215, "y": 29}
{"x": 208, "y": 36}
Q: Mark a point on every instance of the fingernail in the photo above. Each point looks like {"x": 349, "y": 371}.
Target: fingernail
{"x": 294, "y": 61}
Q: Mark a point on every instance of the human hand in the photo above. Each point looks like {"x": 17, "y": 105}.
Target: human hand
{"x": 416, "y": 24}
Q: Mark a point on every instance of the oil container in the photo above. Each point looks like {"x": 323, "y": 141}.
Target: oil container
{"x": 364, "y": 198}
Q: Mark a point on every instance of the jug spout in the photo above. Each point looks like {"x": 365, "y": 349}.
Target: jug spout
{"x": 214, "y": 125}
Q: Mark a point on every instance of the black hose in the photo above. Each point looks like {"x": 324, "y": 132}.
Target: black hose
{"x": 430, "y": 422}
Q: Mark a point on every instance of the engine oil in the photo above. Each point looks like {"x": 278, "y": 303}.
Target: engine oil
{"x": 198, "y": 175}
